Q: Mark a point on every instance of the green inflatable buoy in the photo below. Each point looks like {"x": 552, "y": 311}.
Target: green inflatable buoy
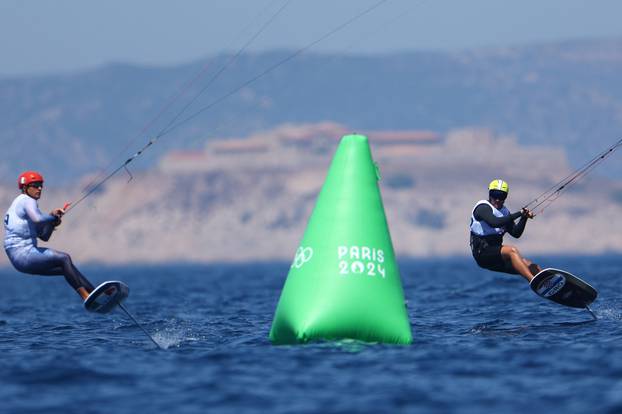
{"x": 344, "y": 281}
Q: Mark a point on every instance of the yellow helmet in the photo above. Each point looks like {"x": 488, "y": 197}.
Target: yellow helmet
{"x": 499, "y": 185}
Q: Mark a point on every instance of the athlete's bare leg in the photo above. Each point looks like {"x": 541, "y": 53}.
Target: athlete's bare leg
{"x": 523, "y": 266}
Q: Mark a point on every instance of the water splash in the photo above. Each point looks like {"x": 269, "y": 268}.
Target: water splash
{"x": 174, "y": 334}
{"x": 485, "y": 327}
{"x": 608, "y": 311}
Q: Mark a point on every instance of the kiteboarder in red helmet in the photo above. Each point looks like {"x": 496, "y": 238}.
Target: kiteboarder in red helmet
{"x": 24, "y": 223}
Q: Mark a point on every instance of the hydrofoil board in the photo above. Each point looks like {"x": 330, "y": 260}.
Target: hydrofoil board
{"x": 106, "y": 296}
{"x": 563, "y": 287}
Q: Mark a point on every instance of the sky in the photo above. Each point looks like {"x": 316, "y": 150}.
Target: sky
{"x": 42, "y": 37}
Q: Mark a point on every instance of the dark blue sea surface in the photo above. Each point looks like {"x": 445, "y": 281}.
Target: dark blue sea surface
{"x": 483, "y": 342}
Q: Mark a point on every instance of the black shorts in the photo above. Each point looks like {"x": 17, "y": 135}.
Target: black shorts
{"x": 489, "y": 257}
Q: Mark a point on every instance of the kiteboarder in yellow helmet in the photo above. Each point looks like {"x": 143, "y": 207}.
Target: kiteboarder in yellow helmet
{"x": 490, "y": 221}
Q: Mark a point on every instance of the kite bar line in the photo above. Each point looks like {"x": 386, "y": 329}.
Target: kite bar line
{"x": 186, "y": 87}
{"x": 554, "y": 192}
{"x": 175, "y": 123}
{"x": 139, "y": 325}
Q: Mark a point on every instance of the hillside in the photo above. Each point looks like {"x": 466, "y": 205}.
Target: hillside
{"x": 249, "y": 198}
{"x": 565, "y": 94}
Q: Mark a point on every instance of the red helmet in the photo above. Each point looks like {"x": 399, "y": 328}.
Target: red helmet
{"x": 28, "y": 177}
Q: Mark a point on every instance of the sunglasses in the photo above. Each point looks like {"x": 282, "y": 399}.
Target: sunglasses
{"x": 498, "y": 195}
{"x": 37, "y": 184}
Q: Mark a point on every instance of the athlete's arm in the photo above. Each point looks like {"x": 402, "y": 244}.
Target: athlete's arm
{"x": 35, "y": 215}
{"x": 45, "y": 232}
{"x": 43, "y": 222}
{"x": 483, "y": 212}
{"x": 516, "y": 230}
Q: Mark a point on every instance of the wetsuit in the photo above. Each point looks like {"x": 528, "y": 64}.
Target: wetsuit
{"x": 488, "y": 226}
{"x": 23, "y": 224}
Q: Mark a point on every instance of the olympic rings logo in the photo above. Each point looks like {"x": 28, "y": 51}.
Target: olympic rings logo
{"x": 303, "y": 255}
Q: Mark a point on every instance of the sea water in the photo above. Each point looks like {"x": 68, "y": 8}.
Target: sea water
{"x": 483, "y": 342}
